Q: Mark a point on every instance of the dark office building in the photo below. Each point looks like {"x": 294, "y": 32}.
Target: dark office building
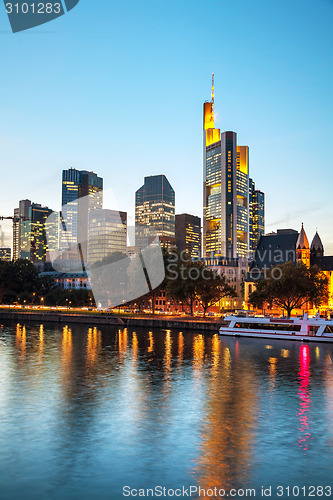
{"x": 154, "y": 209}
{"x": 188, "y": 234}
{"x": 257, "y": 216}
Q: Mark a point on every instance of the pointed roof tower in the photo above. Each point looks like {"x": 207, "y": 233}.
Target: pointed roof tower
{"x": 302, "y": 242}
{"x": 317, "y": 243}
{"x": 317, "y": 248}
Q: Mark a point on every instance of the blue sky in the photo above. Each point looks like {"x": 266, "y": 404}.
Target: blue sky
{"x": 117, "y": 87}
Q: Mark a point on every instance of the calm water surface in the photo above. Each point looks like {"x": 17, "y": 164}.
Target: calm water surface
{"x": 85, "y": 411}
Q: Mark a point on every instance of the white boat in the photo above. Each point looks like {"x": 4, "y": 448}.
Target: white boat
{"x": 304, "y": 329}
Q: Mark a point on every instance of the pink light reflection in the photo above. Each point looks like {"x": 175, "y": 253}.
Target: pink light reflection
{"x": 304, "y": 395}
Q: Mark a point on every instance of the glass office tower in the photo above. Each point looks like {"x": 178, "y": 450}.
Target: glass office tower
{"x": 188, "y": 234}
{"x": 33, "y": 243}
{"x": 257, "y": 216}
{"x": 242, "y": 189}
{"x": 107, "y": 234}
{"x": 154, "y": 209}
{"x": 21, "y": 213}
{"x": 225, "y": 192}
{"x": 82, "y": 191}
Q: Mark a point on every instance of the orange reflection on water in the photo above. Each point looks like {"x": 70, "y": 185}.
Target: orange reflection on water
{"x": 93, "y": 345}
{"x": 198, "y": 352}
{"x": 226, "y": 363}
{"x": 215, "y": 354}
{"x": 304, "y": 395}
{"x": 134, "y": 348}
{"x": 168, "y": 347}
{"x": 41, "y": 340}
{"x": 226, "y": 441}
{"x": 151, "y": 342}
{"x": 328, "y": 359}
{"x": 180, "y": 347}
{"x": 122, "y": 343}
{"x": 21, "y": 338}
{"x": 272, "y": 372}
{"x": 66, "y": 346}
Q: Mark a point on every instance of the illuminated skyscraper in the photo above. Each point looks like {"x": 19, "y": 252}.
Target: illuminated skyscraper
{"x": 188, "y": 234}
{"x": 32, "y": 240}
{"x": 226, "y": 188}
{"x": 82, "y": 192}
{"x": 154, "y": 209}
{"x": 21, "y": 213}
{"x": 256, "y": 216}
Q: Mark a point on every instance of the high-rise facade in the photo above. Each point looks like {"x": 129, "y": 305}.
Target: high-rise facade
{"x": 32, "y": 232}
{"x": 107, "y": 234}
{"x": 242, "y": 191}
{"x": 20, "y": 214}
{"x": 233, "y": 210}
{"x": 256, "y": 216}
{"x": 225, "y": 191}
{"x": 82, "y": 191}
{"x": 154, "y": 209}
{"x": 188, "y": 234}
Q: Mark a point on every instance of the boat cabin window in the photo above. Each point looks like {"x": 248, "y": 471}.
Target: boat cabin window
{"x": 269, "y": 326}
{"x": 313, "y": 330}
{"x": 328, "y": 329}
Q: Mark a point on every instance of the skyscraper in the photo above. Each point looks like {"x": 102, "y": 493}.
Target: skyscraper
{"x": 154, "y": 209}
{"x": 82, "y": 192}
{"x": 20, "y": 214}
{"x": 188, "y": 234}
{"x": 225, "y": 191}
{"x": 107, "y": 234}
{"x": 256, "y": 216}
{"x": 32, "y": 233}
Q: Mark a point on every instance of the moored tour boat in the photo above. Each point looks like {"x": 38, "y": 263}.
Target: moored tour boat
{"x": 304, "y": 329}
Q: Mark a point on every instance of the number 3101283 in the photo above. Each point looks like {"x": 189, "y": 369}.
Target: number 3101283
{"x": 33, "y": 8}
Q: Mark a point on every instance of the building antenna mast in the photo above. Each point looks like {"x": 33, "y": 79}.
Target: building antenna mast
{"x": 213, "y": 95}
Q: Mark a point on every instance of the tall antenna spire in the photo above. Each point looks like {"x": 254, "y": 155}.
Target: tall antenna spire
{"x": 213, "y": 94}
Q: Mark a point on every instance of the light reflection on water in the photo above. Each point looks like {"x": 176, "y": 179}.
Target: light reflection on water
{"x": 86, "y": 410}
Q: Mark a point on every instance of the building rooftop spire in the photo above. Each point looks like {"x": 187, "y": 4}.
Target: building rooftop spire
{"x": 316, "y": 243}
{"x": 213, "y": 94}
{"x": 302, "y": 242}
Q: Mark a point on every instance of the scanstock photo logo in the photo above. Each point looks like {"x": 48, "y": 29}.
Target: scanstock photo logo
{"x": 24, "y": 15}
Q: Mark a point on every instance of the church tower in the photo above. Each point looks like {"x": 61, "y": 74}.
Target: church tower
{"x": 303, "y": 248}
{"x": 316, "y": 249}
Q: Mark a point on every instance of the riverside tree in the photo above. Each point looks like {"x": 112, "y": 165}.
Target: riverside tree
{"x": 212, "y": 287}
{"x": 181, "y": 283}
{"x": 290, "y": 287}
{"x": 188, "y": 281}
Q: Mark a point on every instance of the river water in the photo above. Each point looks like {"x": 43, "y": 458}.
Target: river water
{"x": 85, "y": 412}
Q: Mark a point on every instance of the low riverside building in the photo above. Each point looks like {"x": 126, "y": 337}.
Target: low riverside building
{"x": 70, "y": 281}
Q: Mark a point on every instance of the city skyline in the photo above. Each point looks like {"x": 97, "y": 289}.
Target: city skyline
{"x": 277, "y": 102}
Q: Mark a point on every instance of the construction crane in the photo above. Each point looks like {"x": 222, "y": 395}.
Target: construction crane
{"x": 11, "y": 217}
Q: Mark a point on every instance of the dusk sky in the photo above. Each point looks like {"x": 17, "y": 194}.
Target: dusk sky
{"x": 117, "y": 87}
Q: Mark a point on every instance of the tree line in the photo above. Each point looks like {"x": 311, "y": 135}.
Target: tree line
{"x": 185, "y": 282}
